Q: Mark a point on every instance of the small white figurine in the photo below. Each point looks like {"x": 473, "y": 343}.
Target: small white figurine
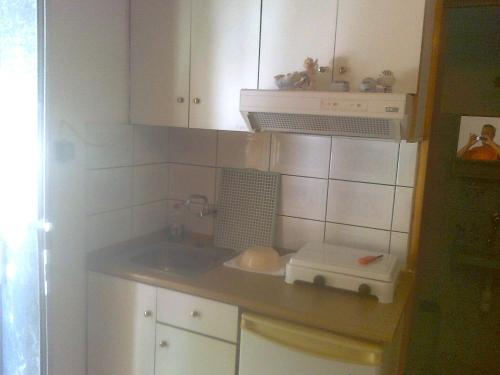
{"x": 304, "y": 80}
{"x": 311, "y": 67}
{"x": 386, "y": 79}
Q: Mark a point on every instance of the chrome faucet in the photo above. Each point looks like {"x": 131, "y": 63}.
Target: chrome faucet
{"x": 206, "y": 209}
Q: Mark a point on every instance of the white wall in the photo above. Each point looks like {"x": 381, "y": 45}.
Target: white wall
{"x": 87, "y": 82}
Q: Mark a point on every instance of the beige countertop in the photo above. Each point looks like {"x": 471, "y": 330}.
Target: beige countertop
{"x": 329, "y": 309}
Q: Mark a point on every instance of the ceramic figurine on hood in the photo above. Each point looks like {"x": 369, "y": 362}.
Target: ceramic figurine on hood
{"x": 386, "y": 79}
{"x": 311, "y": 67}
{"x": 304, "y": 80}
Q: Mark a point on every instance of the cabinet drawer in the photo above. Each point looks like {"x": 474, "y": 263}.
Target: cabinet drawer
{"x": 198, "y": 314}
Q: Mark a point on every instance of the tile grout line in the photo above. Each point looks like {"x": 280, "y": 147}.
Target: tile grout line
{"x": 267, "y": 169}
{"x": 131, "y": 224}
{"x": 216, "y": 171}
{"x": 328, "y": 187}
{"x": 394, "y": 197}
{"x": 344, "y": 224}
{"x": 168, "y": 174}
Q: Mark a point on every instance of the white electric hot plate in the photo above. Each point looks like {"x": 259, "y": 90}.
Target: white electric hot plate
{"x": 338, "y": 267}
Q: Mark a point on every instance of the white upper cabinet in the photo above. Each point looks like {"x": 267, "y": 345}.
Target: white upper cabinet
{"x": 159, "y": 62}
{"x": 293, "y": 30}
{"x": 191, "y": 58}
{"x": 224, "y": 59}
{"x": 373, "y": 36}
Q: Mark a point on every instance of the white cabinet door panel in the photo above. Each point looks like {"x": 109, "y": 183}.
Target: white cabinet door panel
{"x": 293, "y": 30}
{"x": 160, "y": 37}
{"x": 185, "y": 353}
{"x": 121, "y": 337}
{"x": 224, "y": 59}
{"x": 373, "y": 36}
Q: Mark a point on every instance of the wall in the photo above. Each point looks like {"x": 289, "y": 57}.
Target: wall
{"x": 346, "y": 191}
{"x": 87, "y": 82}
{"x": 127, "y": 177}
{"x": 451, "y": 335}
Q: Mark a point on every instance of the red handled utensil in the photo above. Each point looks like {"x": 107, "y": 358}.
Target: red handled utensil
{"x": 369, "y": 259}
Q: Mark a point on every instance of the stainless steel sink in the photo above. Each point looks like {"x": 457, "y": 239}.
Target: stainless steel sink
{"x": 183, "y": 259}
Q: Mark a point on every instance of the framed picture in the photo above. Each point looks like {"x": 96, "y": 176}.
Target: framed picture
{"x": 479, "y": 138}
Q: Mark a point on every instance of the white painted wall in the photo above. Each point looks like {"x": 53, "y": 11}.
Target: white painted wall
{"x": 87, "y": 82}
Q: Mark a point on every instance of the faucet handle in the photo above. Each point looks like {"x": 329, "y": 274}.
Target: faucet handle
{"x": 201, "y": 197}
{"x": 206, "y": 209}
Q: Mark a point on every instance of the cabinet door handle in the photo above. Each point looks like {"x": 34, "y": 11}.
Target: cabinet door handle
{"x": 163, "y": 344}
{"x": 148, "y": 313}
{"x": 180, "y": 99}
{"x": 342, "y": 69}
{"x": 323, "y": 69}
{"x": 196, "y": 100}
{"x": 194, "y": 314}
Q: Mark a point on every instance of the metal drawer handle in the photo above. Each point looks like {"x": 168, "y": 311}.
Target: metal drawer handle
{"x": 148, "y": 313}
{"x": 194, "y": 314}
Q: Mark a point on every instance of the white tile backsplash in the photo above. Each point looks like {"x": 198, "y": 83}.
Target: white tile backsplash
{"x": 300, "y": 155}
{"x": 109, "y": 189}
{"x": 292, "y": 233}
{"x": 364, "y": 160}
{"x": 355, "y": 203}
{"x": 359, "y": 200}
{"x": 243, "y": 150}
{"x": 402, "y": 209}
{"x": 149, "y": 218}
{"x": 108, "y": 228}
{"x": 357, "y": 237}
{"x": 303, "y": 197}
{"x": 192, "y": 146}
{"x": 185, "y": 180}
{"x": 399, "y": 246}
{"x": 407, "y": 166}
{"x": 109, "y": 145}
{"x": 150, "y": 183}
{"x": 150, "y": 144}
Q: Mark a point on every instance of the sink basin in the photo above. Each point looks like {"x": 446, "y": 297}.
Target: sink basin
{"x": 183, "y": 259}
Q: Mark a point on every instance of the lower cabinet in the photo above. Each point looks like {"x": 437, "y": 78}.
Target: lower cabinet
{"x": 137, "y": 329}
{"x": 121, "y": 326}
{"x": 180, "y": 352}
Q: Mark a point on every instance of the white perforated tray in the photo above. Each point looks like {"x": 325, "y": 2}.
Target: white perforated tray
{"x": 246, "y": 208}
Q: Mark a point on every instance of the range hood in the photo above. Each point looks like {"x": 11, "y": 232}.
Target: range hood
{"x": 366, "y": 115}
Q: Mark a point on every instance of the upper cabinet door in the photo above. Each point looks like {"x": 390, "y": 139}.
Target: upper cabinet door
{"x": 293, "y": 30}
{"x": 160, "y": 36}
{"x": 224, "y": 60}
{"x": 373, "y": 36}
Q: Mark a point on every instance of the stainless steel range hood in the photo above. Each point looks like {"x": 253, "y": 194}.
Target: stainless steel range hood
{"x": 366, "y": 115}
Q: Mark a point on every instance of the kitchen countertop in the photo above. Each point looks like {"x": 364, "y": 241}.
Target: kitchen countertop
{"x": 328, "y": 309}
